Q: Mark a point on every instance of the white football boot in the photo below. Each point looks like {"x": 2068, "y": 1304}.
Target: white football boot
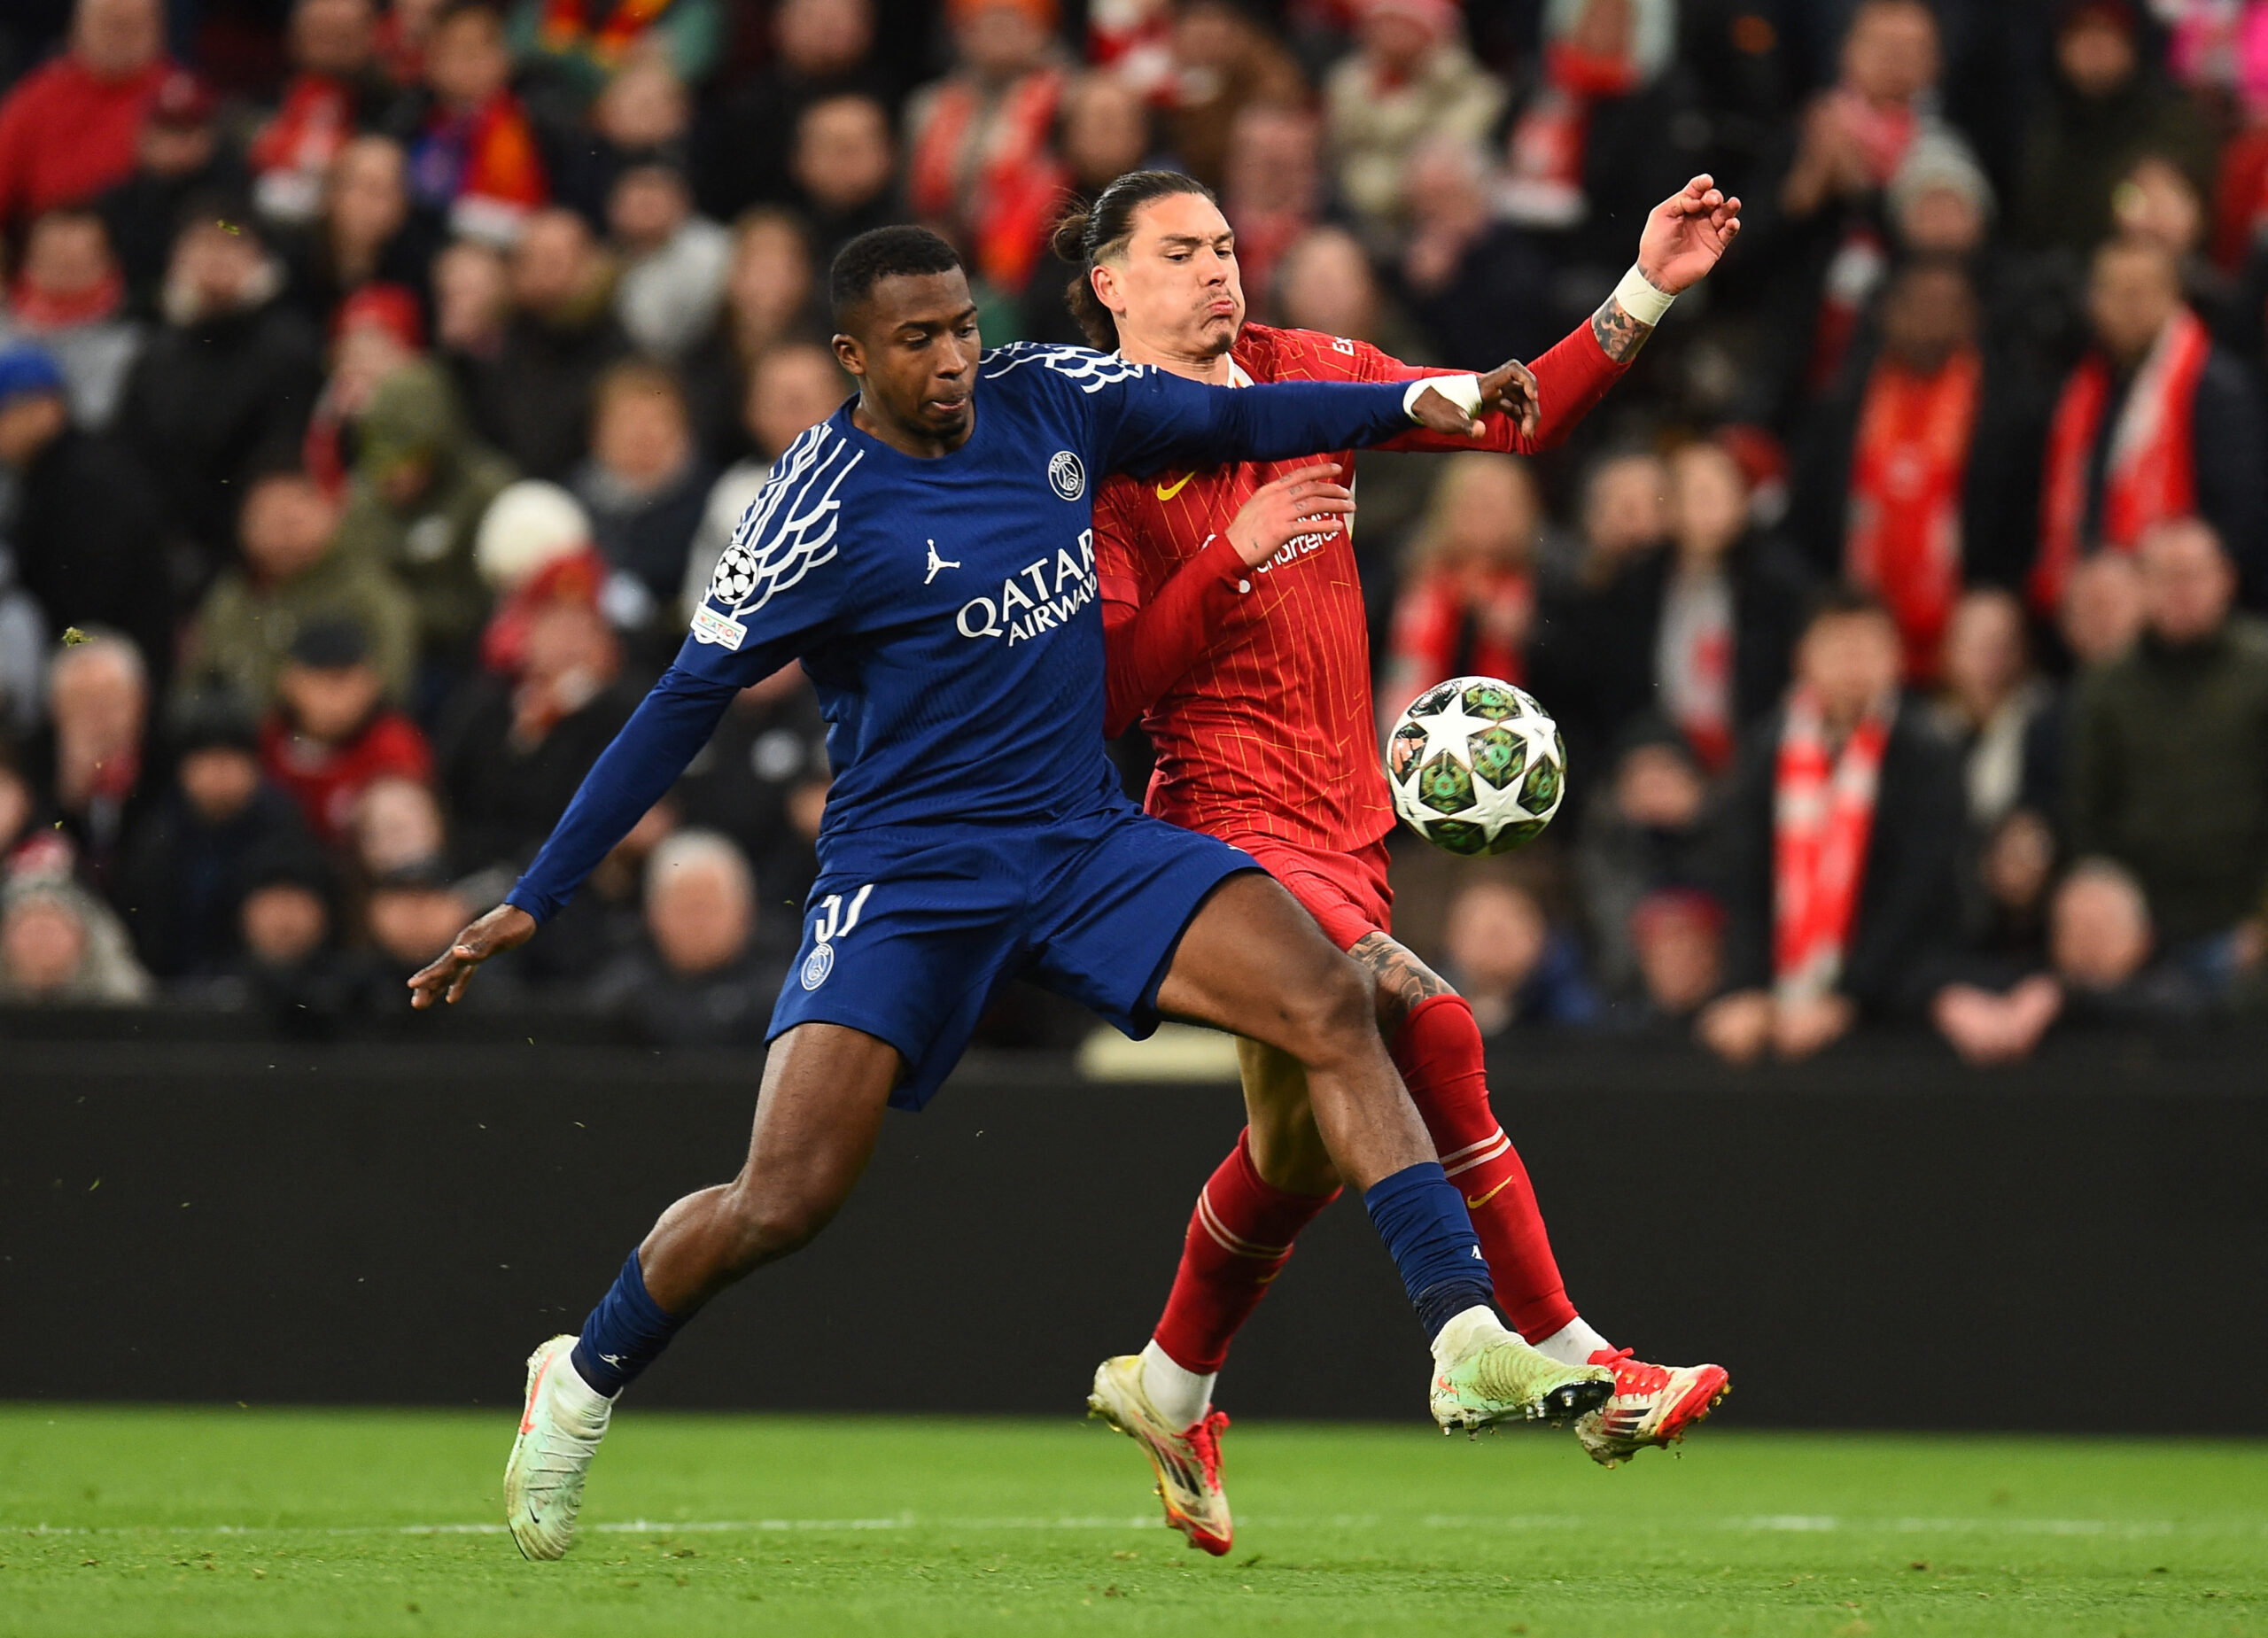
{"x": 560, "y": 1429}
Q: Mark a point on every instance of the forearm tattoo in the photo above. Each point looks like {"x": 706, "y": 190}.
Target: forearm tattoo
{"x": 1619, "y": 335}
{"x": 1404, "y": 979}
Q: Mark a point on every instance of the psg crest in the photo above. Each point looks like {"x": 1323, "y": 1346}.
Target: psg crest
{"x": 1066, "y": 476}
{"x": 818, "y": 965}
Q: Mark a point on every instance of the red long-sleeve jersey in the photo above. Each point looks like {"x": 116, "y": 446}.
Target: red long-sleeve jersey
{"x": 1255, "y": 685}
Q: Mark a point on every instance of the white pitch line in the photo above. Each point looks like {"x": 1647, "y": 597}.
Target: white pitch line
{"x": 1766, "y": 1524}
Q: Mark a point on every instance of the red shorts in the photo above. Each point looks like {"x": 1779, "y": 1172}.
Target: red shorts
{"x": 1347, "y": 892}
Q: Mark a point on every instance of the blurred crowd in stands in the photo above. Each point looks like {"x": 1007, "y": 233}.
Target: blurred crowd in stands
{"x": 377, "y": 380}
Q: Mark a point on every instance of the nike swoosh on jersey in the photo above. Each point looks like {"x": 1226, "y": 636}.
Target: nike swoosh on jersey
{"x": 1166, "y": 493}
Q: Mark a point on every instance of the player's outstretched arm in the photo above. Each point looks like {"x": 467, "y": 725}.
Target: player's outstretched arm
{"x": 1685, "y": 236}
{"x": 1154, "y": 419}
{"x": 666, "y": 733}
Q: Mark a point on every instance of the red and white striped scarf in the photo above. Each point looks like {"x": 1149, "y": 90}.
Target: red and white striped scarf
{"x": 1823, "y": 816}
{"x": 2151, "y": 474}
{"x": 1907, "y": 466}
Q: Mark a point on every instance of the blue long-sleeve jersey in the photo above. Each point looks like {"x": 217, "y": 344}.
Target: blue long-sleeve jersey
{"x": 944, "y": 608}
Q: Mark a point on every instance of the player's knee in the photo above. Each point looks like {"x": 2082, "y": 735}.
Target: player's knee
{"x": 1338, "y": 1012}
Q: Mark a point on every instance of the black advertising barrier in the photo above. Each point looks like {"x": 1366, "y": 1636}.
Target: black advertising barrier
{"x": 1882, "y": 1239}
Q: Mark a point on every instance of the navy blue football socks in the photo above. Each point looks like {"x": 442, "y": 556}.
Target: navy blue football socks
{"x": 1422, "y": 1219}
{"x": 625, "y": 1333}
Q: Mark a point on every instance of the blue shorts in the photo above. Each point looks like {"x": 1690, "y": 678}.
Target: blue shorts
{"x": 907, "y": 932}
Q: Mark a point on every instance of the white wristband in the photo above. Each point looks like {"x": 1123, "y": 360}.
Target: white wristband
{"x": 1641, "y": 298}
{"x": 1462, "y": 390}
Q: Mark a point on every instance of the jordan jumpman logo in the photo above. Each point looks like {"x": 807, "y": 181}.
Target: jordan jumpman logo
{"x": 935, "y": 563}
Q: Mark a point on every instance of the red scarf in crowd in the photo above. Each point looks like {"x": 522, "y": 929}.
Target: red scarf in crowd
{"x": 1911, "y": 451}
{"x": 314, "y": 123}
{"x": 37, "y": 309}
{"x": 1442, "y": 630}
{"x": 999, "y": 177}
{"x": 1544, "y": 186}
{"x": 2151, "y": 474}
{"x": 1822, "y": 815}
{"x": 567, "y": 26}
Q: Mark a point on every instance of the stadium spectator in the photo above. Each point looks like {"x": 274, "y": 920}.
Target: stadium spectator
{"x": 61, "y": 946}
{"x": 674, "y": 263}
{"x": 398, "y": 826}
{"x": 331, "y": 733}
{"x": 224, "y": 389}
{"x": 2169, "y": 749}
{"x": 336, "y": 88}
{"x": 1837, "y": 844}
{"x": 291, "y": 579}
{"x": 534, "y": 544}
{"x": 1914, "y": 480}
{"x": 1106, "y": 133}
{"x": 292, "y": 972}
{"x": 789, "y": 388}
{"x": 1826, "y": 244}
{"x": 844, "y": 165}
{"x": 1603, "y": 127}
{"x": 643, "y": 117}
{"x": 821, "y": 49}
{"x": 1223, "y": 61}
{"x": 472, "y": 149}
{"x": 2100, "y": 970}
{"x": 404, "y": 28}
{"x": 2099, "y": 618}
{"x": 98, "y": 709}
{"x": 1700, "y": 629}
{"x": 2155, "y": 422}
{"x": 1410, "y": 78}
{"x": 409, "y": 912}
{"x": 79, "y": 523}
{"x": 1622, "y": 515}
{"x": 1940, "y": 202}
{"x": 771, "y": 294}
{"x": 19, "y": 807}
{"x": 178, "y": 157}
{"x": 701, "y": 979}
{"x": 1272, "y": 193}
{"x": 532, "y": 396}
{"x": 375, "y": 332}
{"x": 1477, "y": 285}
{"x": 422, "y": 483}
{"x": 1989, "y": 702}
{"x": 572, "y": 48}
{"x": 365, "y": 231}
{"x": 2156, "y": 201}
{"x": 1677, "y": 935}
{"x": 472, "y": 307}
{"x": 70, "y": 299}
{"x": 1639, "y": 835}
{"x": 186, "y": 862}
{"x": 1468, "y": 596}
{"x": 645, "y": 487}
{"x": 513, "y": 748}
{"x": 2104, "y": 107}
{"x": 68, "y": 129}
{"x": 1506, "y": 959}
{"x": 980, "y": 162}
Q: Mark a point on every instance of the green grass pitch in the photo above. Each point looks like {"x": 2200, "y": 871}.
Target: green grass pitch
{"x": 215, "y": 1522}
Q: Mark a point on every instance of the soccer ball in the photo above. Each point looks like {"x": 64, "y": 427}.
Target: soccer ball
{"x": 1476, "y": 766}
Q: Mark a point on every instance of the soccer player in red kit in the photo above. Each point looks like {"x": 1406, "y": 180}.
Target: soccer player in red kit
{"x": 1237, "y": 638}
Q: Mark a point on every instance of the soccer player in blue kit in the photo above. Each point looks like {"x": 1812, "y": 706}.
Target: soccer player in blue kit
{"x": 931, "y": 563}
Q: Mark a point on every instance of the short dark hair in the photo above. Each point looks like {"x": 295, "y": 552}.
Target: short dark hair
{"x": 881, "y": 254}
{"x": 1842, "y": 601}
{"x": 1099, "y": 231}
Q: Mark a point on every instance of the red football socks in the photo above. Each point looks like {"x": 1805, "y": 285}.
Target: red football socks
{"x": 1239, "y": 1237}
{"x": 1440, "y": 1054}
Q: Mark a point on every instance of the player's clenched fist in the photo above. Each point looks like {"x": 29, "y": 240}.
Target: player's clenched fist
{"x": 1308, "y": 501}
{"x": 506, "y": 926}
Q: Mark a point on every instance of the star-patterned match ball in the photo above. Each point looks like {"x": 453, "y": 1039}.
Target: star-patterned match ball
{"x": 1476, "y": 766}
